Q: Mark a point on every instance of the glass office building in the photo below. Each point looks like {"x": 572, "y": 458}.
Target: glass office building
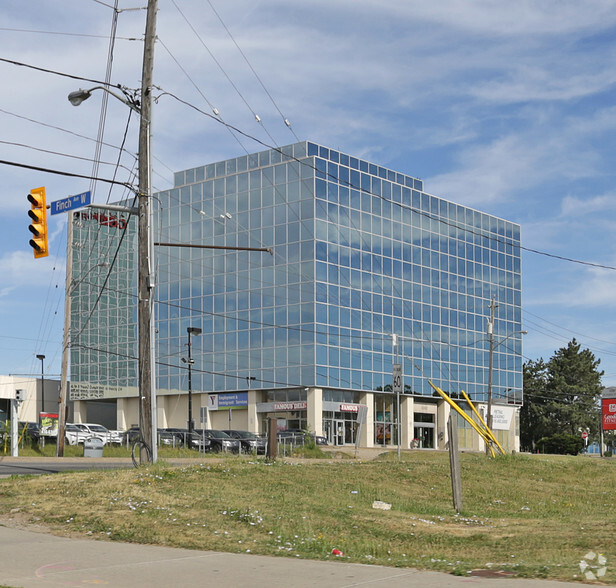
{"x": 103, "y": 319}
{"x": 310, "y": 273}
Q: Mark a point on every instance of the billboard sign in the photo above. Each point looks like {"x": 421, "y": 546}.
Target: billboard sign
{"x": 608, "y": 412}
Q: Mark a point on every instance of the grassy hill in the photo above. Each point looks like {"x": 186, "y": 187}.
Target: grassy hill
{"x": 531, "y": 516}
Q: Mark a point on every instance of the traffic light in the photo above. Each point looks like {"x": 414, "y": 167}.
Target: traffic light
{"x": 38, "y": 224}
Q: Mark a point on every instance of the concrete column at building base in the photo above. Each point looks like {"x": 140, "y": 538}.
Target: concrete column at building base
{"x": 80, "y": 411}
{"x": 366, "y": 438}
{"x": 314, "y": 410}
{"x": 252, "y": 416}
{"x": 407, "y": 406}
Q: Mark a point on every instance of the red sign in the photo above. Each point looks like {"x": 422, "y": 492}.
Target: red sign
{"x": 584, "y": 435}
{"x": 608, "y": 406}
{"x": 110, "y": 220}
{"x": 349, "y": 408}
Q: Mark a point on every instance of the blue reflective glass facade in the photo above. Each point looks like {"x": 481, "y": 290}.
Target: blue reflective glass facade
{"x": 103, "y": 318}
{"x": 358, "y": 253}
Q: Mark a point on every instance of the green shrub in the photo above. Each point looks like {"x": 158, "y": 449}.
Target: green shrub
{"x": 561, "y": 443}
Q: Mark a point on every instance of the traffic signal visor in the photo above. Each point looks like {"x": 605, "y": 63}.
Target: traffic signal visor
{"x": 38, "y": 222}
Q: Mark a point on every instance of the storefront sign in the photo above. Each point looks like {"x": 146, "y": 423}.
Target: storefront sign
{"x": 225, "y": 401}
{"x": 608, "y": 406}
{"x": 298, "y": 405}
{"x": 349, "y": 408}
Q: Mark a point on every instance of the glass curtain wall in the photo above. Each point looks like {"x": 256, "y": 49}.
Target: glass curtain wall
{"x": 358, "y": 252}
{"x": 103, "y": 322}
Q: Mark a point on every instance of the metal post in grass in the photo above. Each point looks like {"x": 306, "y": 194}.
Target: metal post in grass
{"x": 454, "y": 464}
{"x": 271, "y": 438}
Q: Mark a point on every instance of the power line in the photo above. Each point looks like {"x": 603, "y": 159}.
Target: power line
{"x": 57, "y": 73}
{"x": 400, "y": 204}
{"x": 284, "y": 118}
{"x": 64, "y": 173}
{"x": 64, "y": 34}
{"x": 278, "y": 149}
{"x": 233, "y": 85}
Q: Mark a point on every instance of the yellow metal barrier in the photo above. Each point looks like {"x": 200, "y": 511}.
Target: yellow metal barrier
{"x": 483, "y": 433}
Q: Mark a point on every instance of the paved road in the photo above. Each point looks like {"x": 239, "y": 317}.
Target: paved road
{"x": 34, "y": 560}
{"x": 15, "y": 466}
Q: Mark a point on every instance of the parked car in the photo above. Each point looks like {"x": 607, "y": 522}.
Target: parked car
{"x": 216, "y": 441}
{"x": 167, "y": 438}
{"x": 130, "y": 435}
{"x": 31, "y": 430}
{"x": 180, "y": 435}
{"x": 298, "y": 437}
{"x": 250, "y": 442}
{"x": 73, "y": 435}
{"x": 102, "y": 433}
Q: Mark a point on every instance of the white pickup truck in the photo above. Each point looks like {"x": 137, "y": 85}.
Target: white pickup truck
{"x": 87, "y": 430}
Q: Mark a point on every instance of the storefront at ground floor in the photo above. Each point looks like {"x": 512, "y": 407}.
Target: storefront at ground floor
{"x": 364, "y": 419}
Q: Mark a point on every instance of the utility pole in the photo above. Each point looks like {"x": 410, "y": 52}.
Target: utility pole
{"x": 65, "y": 342}
{"x": 147, "y": 392}
{"x": 490, "y": 331}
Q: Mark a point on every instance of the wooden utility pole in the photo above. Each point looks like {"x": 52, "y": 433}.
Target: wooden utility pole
{"x": 454, "y": 463}
{"x": 147, "y": 391}
{"x": 490, "y": 329}
{"x": 66, "y": 341}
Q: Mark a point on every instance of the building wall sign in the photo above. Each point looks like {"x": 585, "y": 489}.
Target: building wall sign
{"x": 349, "y": 408}
{"x": 502, "y": 417}
{"x": 106, "y": 220}
{"x": 608, "y": 406}
{"x": 298, "y": 405}
{"x": 226, "y": 401}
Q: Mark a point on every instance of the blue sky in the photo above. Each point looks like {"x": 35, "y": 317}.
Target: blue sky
{"x": 504, "y": 107}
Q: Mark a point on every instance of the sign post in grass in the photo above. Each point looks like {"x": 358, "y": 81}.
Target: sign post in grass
{"x": 454, "y": 463}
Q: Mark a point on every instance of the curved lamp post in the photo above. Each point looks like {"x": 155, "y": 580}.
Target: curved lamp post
{"x": 146, "y": 384}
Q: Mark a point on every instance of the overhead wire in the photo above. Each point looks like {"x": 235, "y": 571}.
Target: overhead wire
{"x": 65, "y": 34}
{"x": 223, "y": 71}
{"x": 523, "y": 248}
{"x": 214, "y": 109}
{"x": 252, "y": 69}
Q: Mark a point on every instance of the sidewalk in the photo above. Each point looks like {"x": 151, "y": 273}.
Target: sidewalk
{"x": 33, "y": 560}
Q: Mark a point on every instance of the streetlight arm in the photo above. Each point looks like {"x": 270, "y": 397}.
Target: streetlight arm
{"x": 509, "y": 337}
{"x": 78, "y": 96}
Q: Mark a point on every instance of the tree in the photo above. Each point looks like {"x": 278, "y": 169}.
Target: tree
{"x": 534, "y": 417}
{"x": 560, "y": 396}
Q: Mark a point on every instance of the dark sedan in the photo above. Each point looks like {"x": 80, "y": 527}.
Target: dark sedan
{"x": 250, "y": 442}
{"x": 215, "y": 441}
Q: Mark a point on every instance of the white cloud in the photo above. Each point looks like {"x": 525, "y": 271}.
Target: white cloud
{"x": 19, "y": 269}
{"x": 576, "y": 206}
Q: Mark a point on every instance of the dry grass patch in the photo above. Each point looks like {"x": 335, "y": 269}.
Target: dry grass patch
{"x": 533, "y": 516}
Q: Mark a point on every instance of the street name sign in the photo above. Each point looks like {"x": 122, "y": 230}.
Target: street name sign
{"x": 72, "y": 202}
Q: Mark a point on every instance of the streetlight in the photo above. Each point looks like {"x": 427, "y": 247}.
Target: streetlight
{"x": 42, "y": 358}
{"x": 190, "y": 362}
{"x": 79, "y": 96}
{"x": 145, "y": 289}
